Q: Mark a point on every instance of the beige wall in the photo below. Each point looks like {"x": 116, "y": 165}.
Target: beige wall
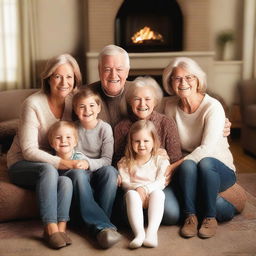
{"x": 64, "y": 24}
{"x": 58, "y": 27}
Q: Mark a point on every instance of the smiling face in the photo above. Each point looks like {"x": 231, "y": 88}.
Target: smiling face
{"x": 113, "y": 74}
{"x": 142, "y": 102}
{"x": 87, "y": 110}
{"x": 142, "y": 143}
{"x": 62, "y": 81}
{"x": 184, "y": 84}
{"x": 63, "y": 141}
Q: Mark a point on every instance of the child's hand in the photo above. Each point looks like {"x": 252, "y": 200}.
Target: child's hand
{"x": 143, "y": 196}
{"x": 73, "y": 164}
{"x": 81, "y": 164}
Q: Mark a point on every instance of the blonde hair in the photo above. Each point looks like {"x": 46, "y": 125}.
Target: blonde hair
{"x": 59, "y": 124}
{"x": 141, "y": 82}
{"x": 136, "y": 127}
{"x": 191, "y": 67}
{"x": 53, "y": 64}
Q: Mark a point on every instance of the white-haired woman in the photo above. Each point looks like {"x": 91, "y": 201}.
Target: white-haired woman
{"x": 208, "y": 166}
{"x": 29, "y": 160}
{"x": 141, "y": 98}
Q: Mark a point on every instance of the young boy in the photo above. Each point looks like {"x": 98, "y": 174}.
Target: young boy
{"x": 96, "y": 140}
{"x": 95, "y": 187}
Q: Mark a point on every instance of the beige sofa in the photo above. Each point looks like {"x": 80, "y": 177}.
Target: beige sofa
{"x": 9, "y": 112}
{"x": 15, "y": 202}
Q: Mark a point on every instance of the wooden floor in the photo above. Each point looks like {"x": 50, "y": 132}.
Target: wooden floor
{"x": 244, "y": 163}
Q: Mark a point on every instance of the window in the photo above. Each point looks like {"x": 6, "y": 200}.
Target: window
{"x": 8, "y": 41}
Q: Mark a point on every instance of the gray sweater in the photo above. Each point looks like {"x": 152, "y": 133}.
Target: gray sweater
{"x": 96, "y": 144}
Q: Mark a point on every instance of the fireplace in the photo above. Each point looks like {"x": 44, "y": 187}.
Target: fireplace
{"x": 149, "y": 26}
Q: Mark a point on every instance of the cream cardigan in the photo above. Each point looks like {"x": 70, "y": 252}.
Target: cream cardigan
{"x": 31, "y": 141}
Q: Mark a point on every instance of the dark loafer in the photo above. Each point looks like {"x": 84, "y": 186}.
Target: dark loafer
{"x": 66, "y": 238}
{"x": 108, "y": 237}
{"x": 55, "y": 240}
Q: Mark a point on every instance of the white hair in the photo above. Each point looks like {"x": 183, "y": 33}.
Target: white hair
{"x": 113, "y": 50}
{"x": 190, "y": 66}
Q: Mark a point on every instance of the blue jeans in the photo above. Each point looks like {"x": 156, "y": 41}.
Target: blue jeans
{"x": 202, "y": 182}
{"x": 54, "y": 192}
{"x": 94, "y": 193}
{"x": 171, "y": 207}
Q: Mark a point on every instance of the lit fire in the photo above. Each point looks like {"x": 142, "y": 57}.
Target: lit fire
{"x": 146, "y": 34}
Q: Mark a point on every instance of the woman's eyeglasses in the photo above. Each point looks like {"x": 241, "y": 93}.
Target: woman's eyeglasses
{"x": 179, "y": 79}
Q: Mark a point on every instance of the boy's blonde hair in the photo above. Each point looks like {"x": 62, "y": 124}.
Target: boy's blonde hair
{"x": 59, "y": 124}
{"x": 85, "y": 93}
{"x": 136, "y": 127}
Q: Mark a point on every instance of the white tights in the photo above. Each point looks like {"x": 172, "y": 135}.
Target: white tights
{"x": 136, "y": 218}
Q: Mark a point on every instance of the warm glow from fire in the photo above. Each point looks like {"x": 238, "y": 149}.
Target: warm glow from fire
{"x": 146, "y": 34}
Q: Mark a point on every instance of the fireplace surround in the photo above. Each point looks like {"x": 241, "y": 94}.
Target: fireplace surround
{"x": 149, "y": 26}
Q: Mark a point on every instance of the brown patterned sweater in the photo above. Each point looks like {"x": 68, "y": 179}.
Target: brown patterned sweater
{"x": 167, "y": 132}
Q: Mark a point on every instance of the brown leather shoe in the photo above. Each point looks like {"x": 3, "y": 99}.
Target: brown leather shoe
{"x": 108, "y": 237}
{"x": 66, "y": 238}
{"x": 55, "y": 240}
{"x": 208, "y": 228}
{"x": 189, "y": 228}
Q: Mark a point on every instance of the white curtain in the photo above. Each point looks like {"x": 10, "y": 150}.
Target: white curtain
{"x": 18, "y": 47}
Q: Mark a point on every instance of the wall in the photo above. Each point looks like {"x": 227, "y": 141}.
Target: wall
{"x": 61, "y": 29}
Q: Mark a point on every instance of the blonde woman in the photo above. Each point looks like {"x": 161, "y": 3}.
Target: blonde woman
{"x": 29, "y": 161}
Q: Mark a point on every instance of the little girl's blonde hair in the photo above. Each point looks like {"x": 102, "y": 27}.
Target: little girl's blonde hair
{"x": 59, "y": 124}
{"x": 136, "y": 127}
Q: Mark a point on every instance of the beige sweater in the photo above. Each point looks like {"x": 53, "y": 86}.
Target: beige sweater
{"x": 31, "y": 141}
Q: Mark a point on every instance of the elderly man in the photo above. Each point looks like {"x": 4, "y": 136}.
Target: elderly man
{"x": 113, "y": 66}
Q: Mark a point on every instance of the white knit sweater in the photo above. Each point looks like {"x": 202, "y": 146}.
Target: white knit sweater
{"x": 201, "y": 133}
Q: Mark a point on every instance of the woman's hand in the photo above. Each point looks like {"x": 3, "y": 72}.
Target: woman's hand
{"x": 227, "y": 128}
{"x": 143, "y": 196}
{"x": 170, "y": 170}
{"x": 119, "y": 180}
{"x": 73, "y": 164}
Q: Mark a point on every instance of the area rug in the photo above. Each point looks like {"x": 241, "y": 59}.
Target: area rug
{"x": 233, "y": 238}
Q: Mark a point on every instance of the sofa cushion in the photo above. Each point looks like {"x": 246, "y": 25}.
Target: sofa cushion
{"x": 250, "y": 119}
{"x": 15, "y": 202}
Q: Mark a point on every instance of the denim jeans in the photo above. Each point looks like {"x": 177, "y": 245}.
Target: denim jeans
{"x": 171, "y": 207}
{"x": 202, "y": 182}
{"x": 94, "y": 193}
{"x": 54, "y": 192}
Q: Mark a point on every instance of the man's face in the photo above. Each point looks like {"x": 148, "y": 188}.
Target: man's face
{"x": 113, "y": 74}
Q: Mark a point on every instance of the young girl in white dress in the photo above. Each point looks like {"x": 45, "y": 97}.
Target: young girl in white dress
{"x": 142, "y": 171}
